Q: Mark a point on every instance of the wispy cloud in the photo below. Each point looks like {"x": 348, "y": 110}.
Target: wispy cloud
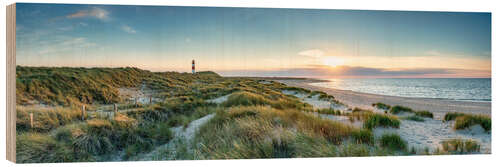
{"x": 128, "y": 29}
{"x": 65, "y": 44}
{"x": 95, "y": 12}
{"x": 314, "y": 53}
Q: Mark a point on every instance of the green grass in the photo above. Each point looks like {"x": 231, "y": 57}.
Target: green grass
{"x": 45, "y": 119}
{"x": 381, "y": 120}
{"x": 398, "y": 109}
{"x": 393, "y": 141}
{"x": 381, "y": 106}
{"x": 424, "y": 114}
{"x": 460, "y": 146}
{"x": 452, "y": 115}
{"x": 467, "y": 121}
{"x": 266, "y": 132}
{"x": 463, "y": 121}
{"x": 414, "y": 118}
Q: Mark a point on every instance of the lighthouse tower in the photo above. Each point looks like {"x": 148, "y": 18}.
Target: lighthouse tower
{"x": 193, "y": 67}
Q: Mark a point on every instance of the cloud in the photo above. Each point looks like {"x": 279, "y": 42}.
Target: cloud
{"x": 314, "y": 53}
{"x": 65, "y": 44}
{"x": 95, "y": 12}
{"x": 128, "y": 29}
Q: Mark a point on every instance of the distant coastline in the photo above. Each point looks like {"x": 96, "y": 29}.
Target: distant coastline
{"x": 364, "y": 100}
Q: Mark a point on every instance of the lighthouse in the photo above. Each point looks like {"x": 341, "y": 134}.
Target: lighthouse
{"x": 193, "y": 67}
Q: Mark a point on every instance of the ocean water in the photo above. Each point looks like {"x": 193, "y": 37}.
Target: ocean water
{"x": 468, "y": 89}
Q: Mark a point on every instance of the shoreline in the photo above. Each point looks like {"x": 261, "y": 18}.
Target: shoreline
{"x": 364, "y": 100}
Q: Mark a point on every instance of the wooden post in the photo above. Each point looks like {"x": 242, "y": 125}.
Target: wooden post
{"x": 135, "y": 102}
{"x": 31, "y": 120}
{"x": 83, "y": 112}
{"x": 115, "y": 107}
{"x": 150, "y": 99}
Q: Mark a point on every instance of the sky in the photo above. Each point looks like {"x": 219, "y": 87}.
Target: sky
{"x": 257, "y": 41}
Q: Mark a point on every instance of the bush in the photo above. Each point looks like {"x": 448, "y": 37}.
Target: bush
{"x": 375, "y": 120}
{"x": 460, "y": 146}
{"x": 393, "y": 141}
{"x": 381, "y": 106}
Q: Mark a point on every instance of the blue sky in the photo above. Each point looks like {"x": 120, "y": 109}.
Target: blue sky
{"x": 256, "y": 41}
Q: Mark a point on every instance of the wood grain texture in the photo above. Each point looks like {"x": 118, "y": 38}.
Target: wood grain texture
{"x": 11, "y": 83}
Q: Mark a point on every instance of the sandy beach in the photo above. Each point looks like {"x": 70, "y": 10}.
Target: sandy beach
{"x": 419, "y": 135}
{"x": 364, "y": 100}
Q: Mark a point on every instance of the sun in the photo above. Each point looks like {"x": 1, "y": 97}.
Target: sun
{"x": 332, "y": 61}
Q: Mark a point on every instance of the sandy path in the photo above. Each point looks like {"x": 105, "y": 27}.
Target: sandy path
{"x": 181, "y": 136}
{"x": 364, "y": 100}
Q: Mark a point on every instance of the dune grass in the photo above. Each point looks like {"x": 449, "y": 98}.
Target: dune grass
{"x": 393, "y": 141}
{"x": 452, "y": 115}
{"x": 398, "y": 109}
{"x": 414, "y": 118}
{"x": 45, "y": 119}
{"x": 460, "y": 146}
{"x": 381, "y": 106}
{"x": 267, "y": 132}
{"x": 464, "y": 121}
{"x": 467, "y": 121}
{"x": 424, "y": 114}
{"x": 380, "y": 120}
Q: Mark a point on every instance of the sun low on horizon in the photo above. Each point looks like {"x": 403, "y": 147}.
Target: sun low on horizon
{"x": 256, "y": 41}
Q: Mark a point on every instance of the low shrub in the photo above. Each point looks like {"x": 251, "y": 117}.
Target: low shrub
{"x": 393, "y": 141}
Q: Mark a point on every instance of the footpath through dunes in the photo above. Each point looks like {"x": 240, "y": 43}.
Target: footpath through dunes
{"x": 183, "y": 137}
{"x": 364, "y": 100}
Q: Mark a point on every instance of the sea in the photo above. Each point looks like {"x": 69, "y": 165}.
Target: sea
{"x": 465, "y": 89}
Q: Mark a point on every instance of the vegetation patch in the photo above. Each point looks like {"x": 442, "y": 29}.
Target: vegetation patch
{"x": 460, "y": 146}
{"x": 377, "y": 120}
{"x": 467, "y": 121}
{"x": 393, "y": 141}
{"x": 398, "y": 109}
{"x": 463, "y": 121}
{"x": 424, "y": 114}
{"x": 381, "y": 106}
{"x": 414, "y": 118}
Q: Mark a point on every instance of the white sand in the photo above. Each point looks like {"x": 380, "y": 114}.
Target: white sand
{"x": 421, "y": 135}
{"x": 141, "y": 94}
{"x": 219, "y": 100}
{"x": 315, "y": 101}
